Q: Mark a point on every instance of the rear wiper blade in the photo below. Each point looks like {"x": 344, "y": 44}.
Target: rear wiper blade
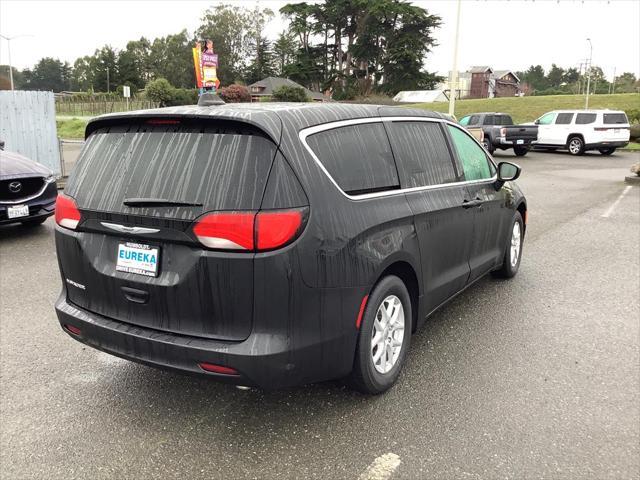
{"x": 157, "y": 202}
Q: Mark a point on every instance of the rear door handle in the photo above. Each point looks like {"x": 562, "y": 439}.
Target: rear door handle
{"x": 472, "y": 203}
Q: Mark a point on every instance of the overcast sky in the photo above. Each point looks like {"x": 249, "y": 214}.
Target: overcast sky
{"x": 504, "y": 34}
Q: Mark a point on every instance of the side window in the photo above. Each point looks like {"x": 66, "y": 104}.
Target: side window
{"x": 474, "y": 120}
{"x": 546, "y": 119}
{"x": 474, "y": 161}
{"x": 421, "y": 153}
{"x": 358, "y": 157}
{"x": 585, "y": 118}
{"x": 564, "y": 118}
{"x": 464, "y": 121}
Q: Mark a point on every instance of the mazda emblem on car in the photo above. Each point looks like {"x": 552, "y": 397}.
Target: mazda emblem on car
{"x": 15, "y": 187}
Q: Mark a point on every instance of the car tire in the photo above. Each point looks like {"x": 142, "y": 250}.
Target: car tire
{"x": 33, "y": 222}
{"x": 488, "y": 146}
{"x": 607, "y": 151}
{"x": 520, "y": 151}
{"x": 374, "y": 376}
{"x": 575, "y": 145}
{"x": 513, "y": 253}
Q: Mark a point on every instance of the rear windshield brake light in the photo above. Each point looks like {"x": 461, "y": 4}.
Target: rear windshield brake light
{"x": 162, "y": 121}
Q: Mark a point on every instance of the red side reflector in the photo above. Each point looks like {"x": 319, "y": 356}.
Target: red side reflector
{"x": 210, "y": 367}
{"x": 72, "y": 329}
{"x": 67, "y": 213}
{"x": 228, "y": 231}
{"x": 363, "y": 304}
{"x": 277, "y": 228}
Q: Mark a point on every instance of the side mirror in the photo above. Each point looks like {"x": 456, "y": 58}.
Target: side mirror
{"x": 508, "y": 171}
{"x": 537, "y": 122}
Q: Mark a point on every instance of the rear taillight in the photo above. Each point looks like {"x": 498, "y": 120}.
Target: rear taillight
{"x": 277, "y": 228}
{"x": 503, "y": 132}
{"x": 226, "y": 231}
{"x": 265, "y": 230}
{"x": 67, "y": 213}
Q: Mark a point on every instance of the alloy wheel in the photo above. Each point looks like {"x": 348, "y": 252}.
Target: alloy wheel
{"x": 388, "y": 334}
{"x": 515, "y": 244}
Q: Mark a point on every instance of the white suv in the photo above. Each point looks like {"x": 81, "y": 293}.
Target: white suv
{"x": 582, "y": 130}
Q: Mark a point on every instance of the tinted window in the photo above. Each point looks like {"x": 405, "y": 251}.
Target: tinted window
{"x": 585, "y": 118}
{"x": 474, "y": 119}
{"x": 615, "y": 118}
{"x": 564, "y": 118}
{"x": 546, "y": 119}
{"x": 504, "y": 120}
{"x": 489, "y": 120}
{"x": 473, "y": 158}
{"x": 421, "y": 153}
{"x": 220, "y": 169}
{"x": 358, "y": 157}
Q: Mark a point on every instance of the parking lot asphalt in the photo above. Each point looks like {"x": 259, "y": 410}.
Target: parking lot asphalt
{"x": 535, "y": 377}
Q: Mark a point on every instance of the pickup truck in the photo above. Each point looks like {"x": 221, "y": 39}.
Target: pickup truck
{"x": 500, "y": 132}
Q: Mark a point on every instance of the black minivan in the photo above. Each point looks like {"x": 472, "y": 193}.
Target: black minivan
{"x": 278, "y": 244}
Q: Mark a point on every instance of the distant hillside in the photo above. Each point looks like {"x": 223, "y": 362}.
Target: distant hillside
{"x": 527, "y": 109}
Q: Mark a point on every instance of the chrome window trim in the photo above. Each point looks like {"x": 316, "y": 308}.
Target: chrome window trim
{"x": 46, "y": 183}
{"x": 306, "y": 132}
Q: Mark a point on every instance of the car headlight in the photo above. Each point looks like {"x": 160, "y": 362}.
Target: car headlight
{"x": 51, "y": 178}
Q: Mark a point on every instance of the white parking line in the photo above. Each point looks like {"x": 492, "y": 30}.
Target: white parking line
{"x": 381, "y": 468}
{"x": 608, "y": 213}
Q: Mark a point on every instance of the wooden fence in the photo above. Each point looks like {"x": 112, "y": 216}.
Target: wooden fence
{"x": 70, "y": 106}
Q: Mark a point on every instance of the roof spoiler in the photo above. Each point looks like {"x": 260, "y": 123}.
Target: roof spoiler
{"x": 209, "y": 100}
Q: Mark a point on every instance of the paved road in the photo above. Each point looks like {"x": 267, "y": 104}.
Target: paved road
{"x": 529, "y": 378}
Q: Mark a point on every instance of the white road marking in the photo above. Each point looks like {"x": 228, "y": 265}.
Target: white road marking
{"x": 381, "y": 468}
{"x": 608, "y": 213}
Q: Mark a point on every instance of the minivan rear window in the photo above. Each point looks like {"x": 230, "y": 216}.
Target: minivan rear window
{"x": 615, "y": 118}
{"x": 216, "y": 167}
{"x": 358, "y": 157}
{"x": 421, "y": 152}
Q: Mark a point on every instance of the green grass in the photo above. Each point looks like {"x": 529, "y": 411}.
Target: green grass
{"x": 71, "y": 128}
{"x": 634, "y": 146}
{"x": 527, "y": 109}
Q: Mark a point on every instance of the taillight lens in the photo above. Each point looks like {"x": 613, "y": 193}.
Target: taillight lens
{"x": 226, "y": 231}
{"x": 276, "y": 229}
{"x": 503, "y": 132}
{"x": 67, "y": 213}
{"x": 265, "y": 230}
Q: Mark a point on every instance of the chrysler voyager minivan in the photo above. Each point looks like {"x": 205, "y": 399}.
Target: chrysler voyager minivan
{"x": 278, "y": 244}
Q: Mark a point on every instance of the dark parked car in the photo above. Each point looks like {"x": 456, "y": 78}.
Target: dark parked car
{"x": 27, "y": 190}
{"x": 275, "y": 245}
{"x": 499, "y": 132}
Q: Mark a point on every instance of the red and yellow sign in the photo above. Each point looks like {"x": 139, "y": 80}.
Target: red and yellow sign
{"x": 205, "y": 62}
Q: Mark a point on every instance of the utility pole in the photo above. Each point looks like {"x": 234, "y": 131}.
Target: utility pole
{"x": 453, "y": 83}
{"x": 8, "y": 39}
{"x": 586, "y": 102}
{"x": 613, "y": 83}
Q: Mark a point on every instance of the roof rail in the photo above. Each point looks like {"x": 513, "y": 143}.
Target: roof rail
{"x": 209, "y": 100}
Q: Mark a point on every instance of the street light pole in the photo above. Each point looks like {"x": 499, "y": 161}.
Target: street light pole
{"x": 8, "y": 39}
{"x": 586, "y": 102}
{"x": 454, "y": 72}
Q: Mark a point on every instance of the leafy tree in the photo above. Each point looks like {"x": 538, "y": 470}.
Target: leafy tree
{"x": 555, "y": 77}
{"x": 290, "y": 94}
{"x": 625, "y": 83}
{"x": 48, "y": 74}
{"x": 284, "y": 51}
{"x": 161, "y": 91}
{"x": 105, "y": 69}
{"x": 171, "y": 58}
{"x": 535, "y": 77}
{"x": 134, "y": 64}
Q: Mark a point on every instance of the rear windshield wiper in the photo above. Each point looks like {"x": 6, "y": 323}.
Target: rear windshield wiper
{"x": 157, "y": 202}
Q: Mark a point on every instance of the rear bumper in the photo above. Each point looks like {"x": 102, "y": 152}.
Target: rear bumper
{"x": 263, "y": 360}
{"x": 504, "y": 143}
{"x": 598, "y": 145}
